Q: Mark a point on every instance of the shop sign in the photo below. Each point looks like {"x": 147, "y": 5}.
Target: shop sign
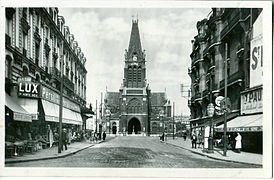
{"x": 241, "y": 129}
{"x": 256, "y": 54}
{"x": 252, "y": 102}
{"x": 50, "y": 95}
{"x": 28, "y": 89}
{"x": 54, "y": 97}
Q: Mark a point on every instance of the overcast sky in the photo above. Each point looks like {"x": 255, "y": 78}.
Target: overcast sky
{"x": 166, "y": 34}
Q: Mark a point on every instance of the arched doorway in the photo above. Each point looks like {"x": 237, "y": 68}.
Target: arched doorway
{"x": 134, "y": 126}
{"x": 114, "y": 128}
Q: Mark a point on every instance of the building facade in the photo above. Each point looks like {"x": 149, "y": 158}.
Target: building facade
{"x": 226, "y": 35}
{"x": 38, "y": 44}
{"x": 134, "y": 109}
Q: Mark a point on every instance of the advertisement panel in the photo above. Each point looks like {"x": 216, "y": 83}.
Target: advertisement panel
{"x": 256, "y": 54}
{"x": 28, "y": 89}
{"x": 252, "y": 102}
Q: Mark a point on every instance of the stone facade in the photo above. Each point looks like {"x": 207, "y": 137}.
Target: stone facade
{"x": 231, "y": 26}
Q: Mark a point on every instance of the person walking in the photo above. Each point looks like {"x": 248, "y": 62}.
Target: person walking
{"x": 238, "y": 145}
{"x": 194, "y": 140}
{"x": 64, "y": 139}
{"x": 104, "y": 135}
{"x": 200, "y": 140}
{"x": 184, "y": 136}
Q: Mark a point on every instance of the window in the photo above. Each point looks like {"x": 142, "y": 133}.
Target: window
{"x": 8, "y": 67}
{"x": 25, "y": 71}
{"x": 8, "y": 27}
{"x": 134, "y": 106}
{"x": 37, "y": 52}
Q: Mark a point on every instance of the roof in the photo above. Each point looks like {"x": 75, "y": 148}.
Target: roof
{"x": 135, "y": 41}
{"x": 158, "y": 99}
{"x": 112, "y": 101}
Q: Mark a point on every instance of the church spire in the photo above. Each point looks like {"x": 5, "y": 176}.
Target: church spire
{"x": 135, "y": 47}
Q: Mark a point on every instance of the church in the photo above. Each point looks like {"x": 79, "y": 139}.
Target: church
{"x": 135, "y": 109}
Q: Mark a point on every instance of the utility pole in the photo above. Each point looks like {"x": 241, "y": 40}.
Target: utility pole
{"x": 96, "y": 117}
{"x": 61, "y": 99}
{"x": 173, "y": 120}
{"x": 225, "y": 108}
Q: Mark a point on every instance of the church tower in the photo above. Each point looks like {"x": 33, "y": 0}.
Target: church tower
{"x": 135, "y": 69}
{"x": 134, "y": 110}
{"x": 133, "y": 92}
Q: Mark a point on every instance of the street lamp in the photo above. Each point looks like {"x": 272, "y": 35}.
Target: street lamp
{"x": 108, "y": 113}
{"x": 161, "y": 114}
{"x": 210, "y": 112}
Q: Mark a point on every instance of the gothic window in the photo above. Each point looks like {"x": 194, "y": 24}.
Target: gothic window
{"x": 134, "y": 106}
{"x": 139, "y": 78}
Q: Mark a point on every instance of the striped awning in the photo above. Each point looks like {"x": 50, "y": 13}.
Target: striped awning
{"x": 249, "y": 123}
{"x": 19, "y": 113}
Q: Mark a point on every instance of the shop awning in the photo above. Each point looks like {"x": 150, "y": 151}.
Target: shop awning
{"x": 72, "y": 117}
{"x": 19, "y": 113}
{"x": 247, "y": 123}
{"x": 51, "y": 111}
{"x": 52, "y": 114}
{"x": 30, "y": 105}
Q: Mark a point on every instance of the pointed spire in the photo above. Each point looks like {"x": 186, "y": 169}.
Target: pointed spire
{"x": 135, "y": 41}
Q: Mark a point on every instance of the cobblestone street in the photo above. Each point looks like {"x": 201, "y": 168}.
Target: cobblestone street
{"x": 133, "y": 152}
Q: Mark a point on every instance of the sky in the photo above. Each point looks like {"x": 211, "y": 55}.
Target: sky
{"x": 103, "y": 35}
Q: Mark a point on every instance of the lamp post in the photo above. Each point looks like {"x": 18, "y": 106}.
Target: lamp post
{"x": 161, "y": 114}
{"x": 108, "y": 118}
{"x": 210, "y": 112}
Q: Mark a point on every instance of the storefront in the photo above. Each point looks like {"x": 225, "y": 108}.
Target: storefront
{"x": 34, "y": 108}
{"x": 250, "y": 123}
{"x": 17, "y": 120}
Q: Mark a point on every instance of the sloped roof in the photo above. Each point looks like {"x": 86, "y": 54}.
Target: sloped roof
{"x": 158, "y": 99}
{"x": 135, "y": 41}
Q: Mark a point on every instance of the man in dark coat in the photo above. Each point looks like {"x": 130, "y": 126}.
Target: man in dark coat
{"x": 64, "y": 139}
{"x": 104, "y": 135}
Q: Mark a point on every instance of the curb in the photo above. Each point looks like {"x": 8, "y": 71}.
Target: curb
{"x": 55, "y": 157}
{"x": 50, "y": 157}
{"x": 208, "y": 156}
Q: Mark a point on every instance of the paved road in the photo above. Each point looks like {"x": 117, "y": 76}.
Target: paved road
{"x": 134, "y": 152}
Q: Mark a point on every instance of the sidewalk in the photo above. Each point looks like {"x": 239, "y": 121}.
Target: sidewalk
{"x": 52, "y": 153}
{"x": 243, "y": 157}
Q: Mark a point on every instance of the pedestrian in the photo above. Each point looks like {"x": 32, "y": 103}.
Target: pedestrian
{"x": 64, "y": 139}
{"x": 194, "y": 140}
{"x": 200, "y": 139}
{"x": 184, "y": 136}
{"x": 238, "y": 145}
{"x": 104, "y": 135}
{"x": 163, "y": 136}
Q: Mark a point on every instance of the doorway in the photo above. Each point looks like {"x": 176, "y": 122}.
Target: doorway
{"x": 134, "y": 126}
{"x": 114, "y": 128}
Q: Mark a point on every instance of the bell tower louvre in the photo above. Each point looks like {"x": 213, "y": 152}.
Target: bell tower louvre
{"x": 134, "y": 107}
{"x": 135, "y": 69}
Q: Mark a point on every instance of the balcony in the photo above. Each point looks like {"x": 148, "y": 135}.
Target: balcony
{"x": 54, "y": 54}
{"x": 47, "y": 47}
{"x": 25, "y": 24}
{"x": 232, "y": 79}
{"x": 37, "y": 35}
{"x": 205, "y": 93}
{"x": 24, "y": 52}
{"x": 233, "y": 19}
{"x": 37, "y": 61}
{"x": 8, "y": 40}
{"x": 68, "y": 83}
{"x": 210, "y": 45}
{"x": 55, "y": 73}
